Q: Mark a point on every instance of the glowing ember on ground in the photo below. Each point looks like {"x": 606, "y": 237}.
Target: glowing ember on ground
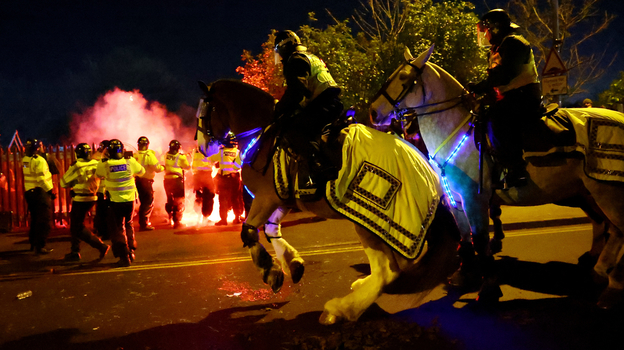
{"x": 245, "y": 292}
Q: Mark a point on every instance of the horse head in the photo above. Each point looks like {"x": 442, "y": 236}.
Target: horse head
{"x": 395, "y": 90}
{"x": 229, "y": 105}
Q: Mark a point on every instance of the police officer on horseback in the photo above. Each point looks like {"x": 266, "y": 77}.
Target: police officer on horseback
{"x": 311, "y": 102}
{"x": 513, "y": 83}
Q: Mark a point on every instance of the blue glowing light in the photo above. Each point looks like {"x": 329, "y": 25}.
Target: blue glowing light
{"x": 248, "y": 191}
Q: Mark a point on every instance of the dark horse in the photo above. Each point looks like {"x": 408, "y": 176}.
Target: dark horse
{"x": 246, "y": 111}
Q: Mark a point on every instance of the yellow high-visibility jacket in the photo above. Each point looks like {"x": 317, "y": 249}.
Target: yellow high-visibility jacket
{"x": 80, "y": 176}
{"x": 201, "y": 162}
{"x": 149, "y": 161}
{"x": 118, "y": 175}
{"x": 229, "y": 160}
{"x": 175, "y": 164}
{"x": 36, "y": 173}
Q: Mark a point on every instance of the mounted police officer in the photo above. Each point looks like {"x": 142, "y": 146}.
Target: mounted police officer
{"x": 512, "y": 78}
{"x": 38, "y": 186}
{"x": 145, "y": 183}
{"x": 80, "y": 177}
{"x": 311, "y": 102}
{"x": 175, "y": 164}
{"x": 118, "y": 174}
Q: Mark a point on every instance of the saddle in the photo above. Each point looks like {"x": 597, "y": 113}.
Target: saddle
{"x": 553, "y": 129}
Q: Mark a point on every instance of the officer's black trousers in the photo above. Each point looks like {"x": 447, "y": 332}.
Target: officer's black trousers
{"x": 101, "y": 216}
{"x": 78, "y": 229}
{"x": 40, "y": 207}
{"x": 175, "y": 198}
{"x": 120, "y": 225}
{"x": 509, "y": 118}
{"x": 145, "y": 189}
{"x": 230, "y": 195}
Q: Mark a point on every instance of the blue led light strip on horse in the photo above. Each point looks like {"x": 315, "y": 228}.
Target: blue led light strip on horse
{"x": 442, "y": 166}
{"x": 249, "y": 147}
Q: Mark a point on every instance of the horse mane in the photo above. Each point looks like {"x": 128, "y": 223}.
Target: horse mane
{"x": 442, "y": 72}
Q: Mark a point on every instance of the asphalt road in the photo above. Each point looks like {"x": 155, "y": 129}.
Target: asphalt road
{"x": 197, "y": 289}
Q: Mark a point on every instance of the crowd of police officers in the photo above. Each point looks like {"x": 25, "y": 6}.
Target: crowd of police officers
{"x": 111, "y": 180}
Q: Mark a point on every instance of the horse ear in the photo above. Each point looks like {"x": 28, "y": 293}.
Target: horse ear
{"x": 424, "y": 57}
{"x": 203, "y": 87}
{"x": 407, "y": 54}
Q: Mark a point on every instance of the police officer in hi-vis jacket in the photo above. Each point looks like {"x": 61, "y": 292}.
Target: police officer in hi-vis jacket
{"x": 38, "y": 195}
{"x": 228, "y": 180}
{"x": 118, "y": 174}
{"x": 147, "y": 158}
{"x": 175, "y": 164}
{"x": 80, "y": 177}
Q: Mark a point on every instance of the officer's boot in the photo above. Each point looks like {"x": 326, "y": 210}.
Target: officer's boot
{"x": 516, "y": 175}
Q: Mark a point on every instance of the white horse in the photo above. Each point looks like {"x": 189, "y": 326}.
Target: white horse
{"x": 424, "y": 225}
{"x": 435, "y": 99}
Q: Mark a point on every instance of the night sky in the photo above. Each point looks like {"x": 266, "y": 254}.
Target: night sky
{"x": 56, "y": 55}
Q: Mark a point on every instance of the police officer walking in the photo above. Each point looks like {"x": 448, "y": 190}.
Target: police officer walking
{"x": 38, "y": 194}
{"x": 147, "y": 158}
{"x": 80, "y": 176}
{"x": 513, "y": 80}
{"x": 311, "y": 101}
{"x": 228, "y": 180}
{"x": 175, "y": 164}
{"x": 118, "y": 173}
{"x": 203, "y": 183}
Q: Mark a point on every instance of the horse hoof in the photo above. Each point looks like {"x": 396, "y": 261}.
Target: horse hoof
{"x": 464, "y": 280}
{"x": 296, "y": 270}
{"x": 490, "y": 293}
{"x": 275, "y": 278}
{"x": 610, "y": 298}
{"x": 496, "y": 246}
{"x": 327, "y": 318}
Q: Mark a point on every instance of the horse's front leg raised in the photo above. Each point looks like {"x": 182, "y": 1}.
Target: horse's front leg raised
{"x": 286, "y": 254}
{"x": 269, "y": 267}
{"x": 383, "y": 271}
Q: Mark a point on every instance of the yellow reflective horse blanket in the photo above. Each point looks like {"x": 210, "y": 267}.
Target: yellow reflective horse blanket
{"x": 385, "y": 184}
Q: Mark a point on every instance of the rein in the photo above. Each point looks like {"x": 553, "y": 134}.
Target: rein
{"x": 403, "y": 113}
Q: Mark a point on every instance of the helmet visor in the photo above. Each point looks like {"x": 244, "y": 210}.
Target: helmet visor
{"x": 482, "y": 35}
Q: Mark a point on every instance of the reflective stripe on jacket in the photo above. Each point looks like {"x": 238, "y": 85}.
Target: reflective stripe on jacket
{"x": 229, "y": 160}
{"x": 149, "y": 161}
{"x": 81, "y": 177}
{"x": 118, "y": 176}
{"x": 201, "y": 162}
{"x": 175, "y": 164}
{"x": 36, "y": 173}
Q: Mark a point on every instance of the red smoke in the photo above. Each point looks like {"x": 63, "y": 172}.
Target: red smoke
{"x": 127, "y": 116}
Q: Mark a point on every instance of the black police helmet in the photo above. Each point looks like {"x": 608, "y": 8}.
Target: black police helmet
{"x": 286, "y": 43}
{"x": 174, "y": 146}
{"x": 32, "y": 147}
{"x": 83, "y": 151}
{"x": 115, "y": 149}
{"x": 103, "y": 145}
{"x": 143, "y": 143}
{"x": 497, "y": 21}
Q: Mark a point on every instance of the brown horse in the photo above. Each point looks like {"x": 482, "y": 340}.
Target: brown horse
{"x": 435, "y": 98}
{"x": 245, "y": 110}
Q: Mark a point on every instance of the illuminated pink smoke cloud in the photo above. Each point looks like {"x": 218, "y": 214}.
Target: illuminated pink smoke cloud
{"x": 127, "y": 116}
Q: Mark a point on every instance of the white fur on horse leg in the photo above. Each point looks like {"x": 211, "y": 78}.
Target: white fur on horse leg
{"x": 358, "y": 283}
{"x": 353, "y": 305}
{"x": 609, "y": 256}
{"x": 462, "y": 222}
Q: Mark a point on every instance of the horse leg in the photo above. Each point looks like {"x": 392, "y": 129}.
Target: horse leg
{"x": 269, "y": 267}
{"x": 610, "y": 262}
{"x": 287, "y": 255}
{"x": 496, "y": 243}
{"x": 383, "y": 271}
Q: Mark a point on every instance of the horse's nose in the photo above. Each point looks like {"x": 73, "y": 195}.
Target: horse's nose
{"x": 373, "y": 116}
